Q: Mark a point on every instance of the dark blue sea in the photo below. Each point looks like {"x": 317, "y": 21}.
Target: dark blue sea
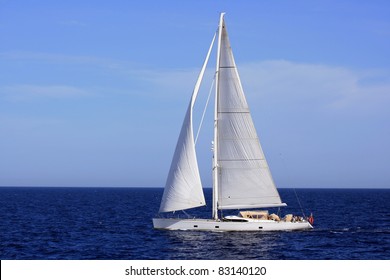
{"x": 116, "y": 223}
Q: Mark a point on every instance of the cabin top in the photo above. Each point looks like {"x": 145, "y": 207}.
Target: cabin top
{"x": 260, "y": 214}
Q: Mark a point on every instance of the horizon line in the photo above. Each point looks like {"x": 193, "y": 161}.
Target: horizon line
{"x": 153, "y": 187}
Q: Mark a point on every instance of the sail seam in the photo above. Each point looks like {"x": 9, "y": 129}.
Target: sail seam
{"x": 252, "y": 159}
{"x": 235, "y": 139}
{"x": 236, "y": 112}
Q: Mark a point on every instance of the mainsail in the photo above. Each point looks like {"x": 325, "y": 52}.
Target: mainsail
{"x": 244, "y": 178}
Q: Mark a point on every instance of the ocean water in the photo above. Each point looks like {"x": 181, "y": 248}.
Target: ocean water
{"x": 116, "y": 223}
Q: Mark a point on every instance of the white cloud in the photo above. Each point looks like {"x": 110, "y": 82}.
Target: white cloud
{"x": 289, "y": 84}
{"x": 326, "y": 87}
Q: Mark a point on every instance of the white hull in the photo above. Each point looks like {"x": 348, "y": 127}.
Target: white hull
{"x": 212, "y": 225}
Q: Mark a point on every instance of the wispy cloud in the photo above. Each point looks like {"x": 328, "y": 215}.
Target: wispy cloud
{"x": 57, "y": 58}
{"x": 319, "y": 87}
{"x": 30, "y": 92}
{"x": 22, "y": 123}
{"x": 48, "y": 57}
{"x": 168, "y": 83}
{"x": 323, "y": 86}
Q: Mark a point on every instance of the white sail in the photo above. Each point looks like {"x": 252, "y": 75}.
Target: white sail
{"x": 244, "y": 178}
{"x": 183, "y": 189}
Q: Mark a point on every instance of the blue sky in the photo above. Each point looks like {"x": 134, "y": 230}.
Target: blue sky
{"x": 93, "y": 93}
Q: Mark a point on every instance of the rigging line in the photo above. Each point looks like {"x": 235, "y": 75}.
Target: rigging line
{"x": 289, "y": 178}
{"x": 204, "y": 111}
{"x": 188, "y": 216}
{"x": 299, "y": 202}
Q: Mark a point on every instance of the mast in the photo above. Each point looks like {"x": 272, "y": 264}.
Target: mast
{"x": 215, "y": 148}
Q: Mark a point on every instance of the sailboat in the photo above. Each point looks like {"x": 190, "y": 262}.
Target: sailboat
{"x": 241, "y": 176}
